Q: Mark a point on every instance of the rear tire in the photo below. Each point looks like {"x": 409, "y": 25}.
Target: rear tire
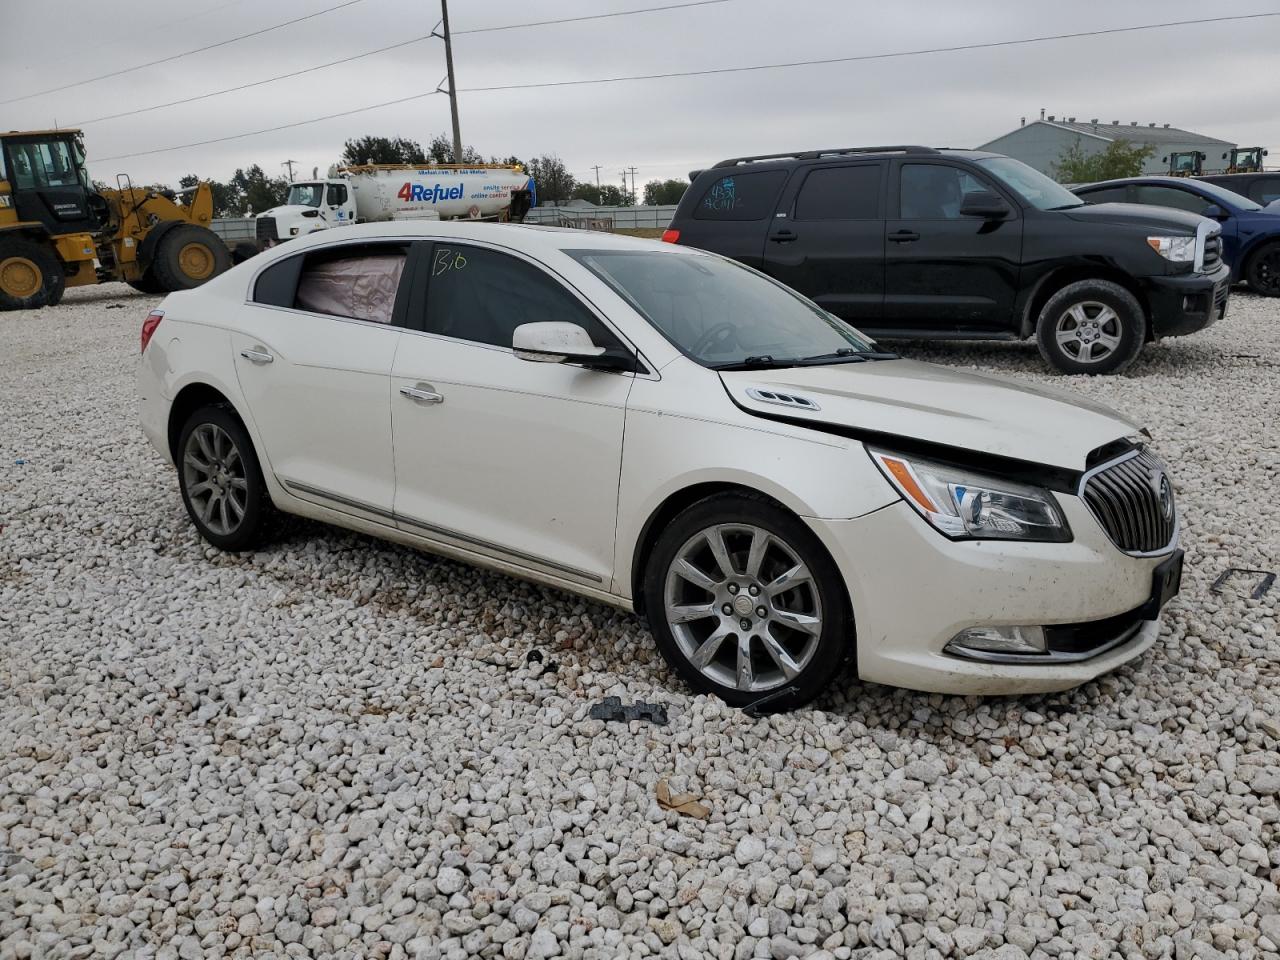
{"x": 147, "y": 283}
{"x": 788, "y": 618}
{"x": 30, "y": 275}
{"x": 1263, "y": 271}
{"x": 221, "y": 480}
{"x": 188, "y": 256}
{"x": 1092, "y": 327}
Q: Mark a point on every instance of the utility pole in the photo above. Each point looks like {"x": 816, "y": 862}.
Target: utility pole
{"x": 453, "y": 87}
{"x": 596, "y": 168}
{"x": 289, "y": 164}
{"x": 633, "y": 185}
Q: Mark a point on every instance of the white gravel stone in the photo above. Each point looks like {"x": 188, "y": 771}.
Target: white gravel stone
{"x": 336, "y": 746}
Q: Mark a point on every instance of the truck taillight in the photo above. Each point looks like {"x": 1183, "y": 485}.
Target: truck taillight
{"x": 670, "y": 236}
{"x": 149, "y": 327}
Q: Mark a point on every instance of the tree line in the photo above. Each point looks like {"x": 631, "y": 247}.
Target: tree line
{"x": 251, "y": 190}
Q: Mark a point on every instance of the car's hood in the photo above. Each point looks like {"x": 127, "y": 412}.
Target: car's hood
{"x": 1137, "y": 215}
{"x": 922, "y": 401}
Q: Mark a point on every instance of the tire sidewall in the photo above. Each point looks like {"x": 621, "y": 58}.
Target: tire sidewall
{"x": 166, "y": 267}
{"x": 53, "y": 281}
{"x": 1132, "y": 322}
{"x": 1255, "y": 261}
{"x": 257, "y": 499}
{"x": 836, "y": 644}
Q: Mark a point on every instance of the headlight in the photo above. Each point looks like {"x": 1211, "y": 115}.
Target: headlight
{"x": 968, "y": 506}
{"x": 1176, "y": 249}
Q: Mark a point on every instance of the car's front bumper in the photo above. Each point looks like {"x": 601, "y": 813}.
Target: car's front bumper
{"x": 913, "y": 590}
{"x": 1186, "y": 303}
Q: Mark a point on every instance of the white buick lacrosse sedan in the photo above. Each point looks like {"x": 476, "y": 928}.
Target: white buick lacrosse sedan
{"x": 674, "y": 433}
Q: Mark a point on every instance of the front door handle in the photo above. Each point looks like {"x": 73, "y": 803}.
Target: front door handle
{"x": 783, "y": 236}
{"x": 257, "y": 356}
{"x": 904, "y": 236}
{"x": 422, "y": 393}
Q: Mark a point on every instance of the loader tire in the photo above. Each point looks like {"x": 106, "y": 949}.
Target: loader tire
{"x": 188, "y": 256}
{"x": 147, "y": 283}
{"x": 30, "y": 275}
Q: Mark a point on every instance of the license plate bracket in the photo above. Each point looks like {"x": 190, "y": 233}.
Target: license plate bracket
{"x": 1166, "y": 581}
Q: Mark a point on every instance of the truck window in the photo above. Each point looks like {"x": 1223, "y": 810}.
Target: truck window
{"x": 931, "y": 191}
{"x": 1157, "y": 196}
{"x": 337, "y": 194}
{"x": 841, "y": 193}
{"x": 741, "y": 196}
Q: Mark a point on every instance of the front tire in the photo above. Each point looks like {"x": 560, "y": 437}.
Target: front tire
{"x": 745, "y": 603}
{"x": 188, "y": 256}
{"x": 1263, "y": 271}
{"x": 221, "y": 480}
{"x": 1091, "y": 326}
{"x": 30, "y": 275}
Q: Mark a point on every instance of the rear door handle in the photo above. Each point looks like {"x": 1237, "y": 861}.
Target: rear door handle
{"x": 257, "y": 356}
{"x": 904, "y": 236}
{"x": 783, "y": 236}
{"x": 422, "y": 393}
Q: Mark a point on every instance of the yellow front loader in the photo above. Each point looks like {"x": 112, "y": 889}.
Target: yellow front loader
{"x": 58, "y": 230}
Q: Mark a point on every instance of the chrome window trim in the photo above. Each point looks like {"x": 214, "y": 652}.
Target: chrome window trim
{"x": 1177, "y": 518}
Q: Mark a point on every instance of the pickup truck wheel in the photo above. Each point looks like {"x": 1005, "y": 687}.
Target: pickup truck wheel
{"x": 1091, "y": 326}
{"x": 1263, "y": 272}
{"x": 30, "y": 276}
{"x": 188, "y": 256}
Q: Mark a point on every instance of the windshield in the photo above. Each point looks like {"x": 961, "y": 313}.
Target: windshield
{"x": 719, "y": 312}
{"x": 1224, "y": 197}
{"x": 1030, "y": 184}
{"x": 305, "y": 194}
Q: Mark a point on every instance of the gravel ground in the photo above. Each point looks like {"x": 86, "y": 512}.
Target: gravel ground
{"x": 337, "y": 747}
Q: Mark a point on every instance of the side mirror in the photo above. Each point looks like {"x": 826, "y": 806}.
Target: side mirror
{"x": 1214, "y": 212}
{"x": 560, "y": 342}
{"x": 984, "y": 204}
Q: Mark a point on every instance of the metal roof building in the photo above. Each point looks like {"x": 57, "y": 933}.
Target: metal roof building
{"x": 1042, "y": 142}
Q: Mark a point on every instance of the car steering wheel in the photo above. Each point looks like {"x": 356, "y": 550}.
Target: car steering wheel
{"x": 714, "y": 337}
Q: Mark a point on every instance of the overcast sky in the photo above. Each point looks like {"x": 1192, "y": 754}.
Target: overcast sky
{"x": 1217, "y": 79}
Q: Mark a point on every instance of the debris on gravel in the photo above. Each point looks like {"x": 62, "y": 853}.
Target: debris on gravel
{"x": 337, "y": 747}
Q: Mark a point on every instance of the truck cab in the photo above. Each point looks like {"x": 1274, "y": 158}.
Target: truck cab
{"x": 310, "y": 206}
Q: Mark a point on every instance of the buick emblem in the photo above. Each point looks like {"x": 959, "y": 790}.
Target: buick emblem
{"x": 1163, "y": 490}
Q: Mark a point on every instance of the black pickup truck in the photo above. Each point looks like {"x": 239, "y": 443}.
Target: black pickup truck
{"x": 914, "y": 242}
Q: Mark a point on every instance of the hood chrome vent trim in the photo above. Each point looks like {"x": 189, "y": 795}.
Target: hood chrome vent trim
{"x": 795, "y": 401}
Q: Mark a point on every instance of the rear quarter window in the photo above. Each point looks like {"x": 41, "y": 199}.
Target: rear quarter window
{"x": 741, "y": 196}
{"x": 1265, "y": 190}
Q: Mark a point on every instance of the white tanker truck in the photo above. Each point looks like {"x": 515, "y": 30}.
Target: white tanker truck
{"x": 374, "y": 193}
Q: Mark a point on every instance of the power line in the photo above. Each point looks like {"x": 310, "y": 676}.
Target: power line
{"x": 371, "y": 53}
{"x": 593, "y": 16}
{"x": 710, "y": 72}
{"x": 179, "y": 56}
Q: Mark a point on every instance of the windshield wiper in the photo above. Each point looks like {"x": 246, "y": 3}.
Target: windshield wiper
{"x": 846, "y": 355}
{"x": 762, "y": 362}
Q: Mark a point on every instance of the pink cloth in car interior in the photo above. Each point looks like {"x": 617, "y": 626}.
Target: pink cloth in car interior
{"x": 362, "y": 287}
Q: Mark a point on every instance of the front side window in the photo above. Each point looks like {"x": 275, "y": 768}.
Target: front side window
{"x": 932, "y": 191}
{"x": 337, "y": 194}
{"x": 1106, "y": 195}
{"x": 741, "y": 196}
{"x": 357, "y": 282}
{"x": 841, "y": 193}
{"x": 482, "y": 295}
{"x": 719, "y": 312}
{"x": 305, "y": 194}
{"x": 1155, "y": 196}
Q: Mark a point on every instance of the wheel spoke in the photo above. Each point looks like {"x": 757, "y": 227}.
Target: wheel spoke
{"x": 755, "y": 557}
{"x": 1068, "y": 336}
{"x": 1105, "y": 315}
{"x": 683, "y": 568}
{"x": 237, "y": 508}
{"x": 239, "y": 483}
{"x": 206, "y": 515}
{"x": 778, "y": 653}
{"x": 224, "y": 513}
{"x": 687, "y": 613}
{"x": 788, "y": 580}
{"x": 705, "y": 653}
{"x": 202, "y": 438}
{"x": 195, "y": 463}
{"x": 745, "y": 675}
{"x": 715, "y": 540}
{"x": 798, "y": 621}
{"x": 204, "y": 486}
{"x": 1108, "y": 340}
{"x": 1078, "y": 313}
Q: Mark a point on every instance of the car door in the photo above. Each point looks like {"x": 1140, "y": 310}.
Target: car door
{"x": 336, "y": 201}
{"x": 517, "y": 459}
{"x": 314, "y": 364}
{"x": 944, "y": 271}
{"x": 827, "y": 242}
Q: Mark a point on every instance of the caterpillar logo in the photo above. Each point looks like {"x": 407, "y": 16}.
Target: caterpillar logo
{"x": 416, "y": 192}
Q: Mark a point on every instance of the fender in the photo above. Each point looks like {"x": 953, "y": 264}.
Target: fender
{"x": 147, "y": 249}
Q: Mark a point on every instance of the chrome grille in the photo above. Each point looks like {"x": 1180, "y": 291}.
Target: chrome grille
{"x": 1132, "y": 498}
{"x": 1212, "y": 252}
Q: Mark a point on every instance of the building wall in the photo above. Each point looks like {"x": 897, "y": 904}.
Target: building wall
{"x": 1040, "y": 145}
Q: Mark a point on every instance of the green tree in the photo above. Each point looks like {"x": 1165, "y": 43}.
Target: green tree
{"x": 587, "y": 191}
{"x": 441, "y": 151}
{"x": 611, "y": 196}
{"x": 660, "y": 192}
{"x": 367, "y": 150}
{"x": 227, "y": 199}
{"x": 259, "y": 192}
{"x": 555, "y": 182}
{"x": 1120, "y": 159}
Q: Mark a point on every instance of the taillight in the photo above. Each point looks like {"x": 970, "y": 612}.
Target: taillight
{"x": 149, "y": 327}
{"x": 670, "y": 236}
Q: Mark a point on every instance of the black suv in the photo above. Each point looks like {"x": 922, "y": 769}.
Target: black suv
{"x": 909, "y": 241}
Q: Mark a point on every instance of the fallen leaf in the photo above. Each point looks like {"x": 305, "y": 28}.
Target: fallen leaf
{"x": 685, "y": 804}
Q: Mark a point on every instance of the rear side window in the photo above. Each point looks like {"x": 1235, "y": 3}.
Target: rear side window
{"x": 482, "y": 296}
{"x": 1265, "y": 190}
{"x": 1106, "y": 195}
{"x": 354, "y": 281}
{"x": 741, "y": 196}
{"x": 841, "y": 193}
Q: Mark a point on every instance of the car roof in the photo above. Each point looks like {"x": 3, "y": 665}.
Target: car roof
{"x": 1152, "y": 178}
{"x": 794, "y": 158}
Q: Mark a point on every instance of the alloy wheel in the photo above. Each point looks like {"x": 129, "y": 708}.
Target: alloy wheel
{"x": 743, "y": 607}
{"x": 1088, "y": 332}
{"x": 215, "y": 479}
